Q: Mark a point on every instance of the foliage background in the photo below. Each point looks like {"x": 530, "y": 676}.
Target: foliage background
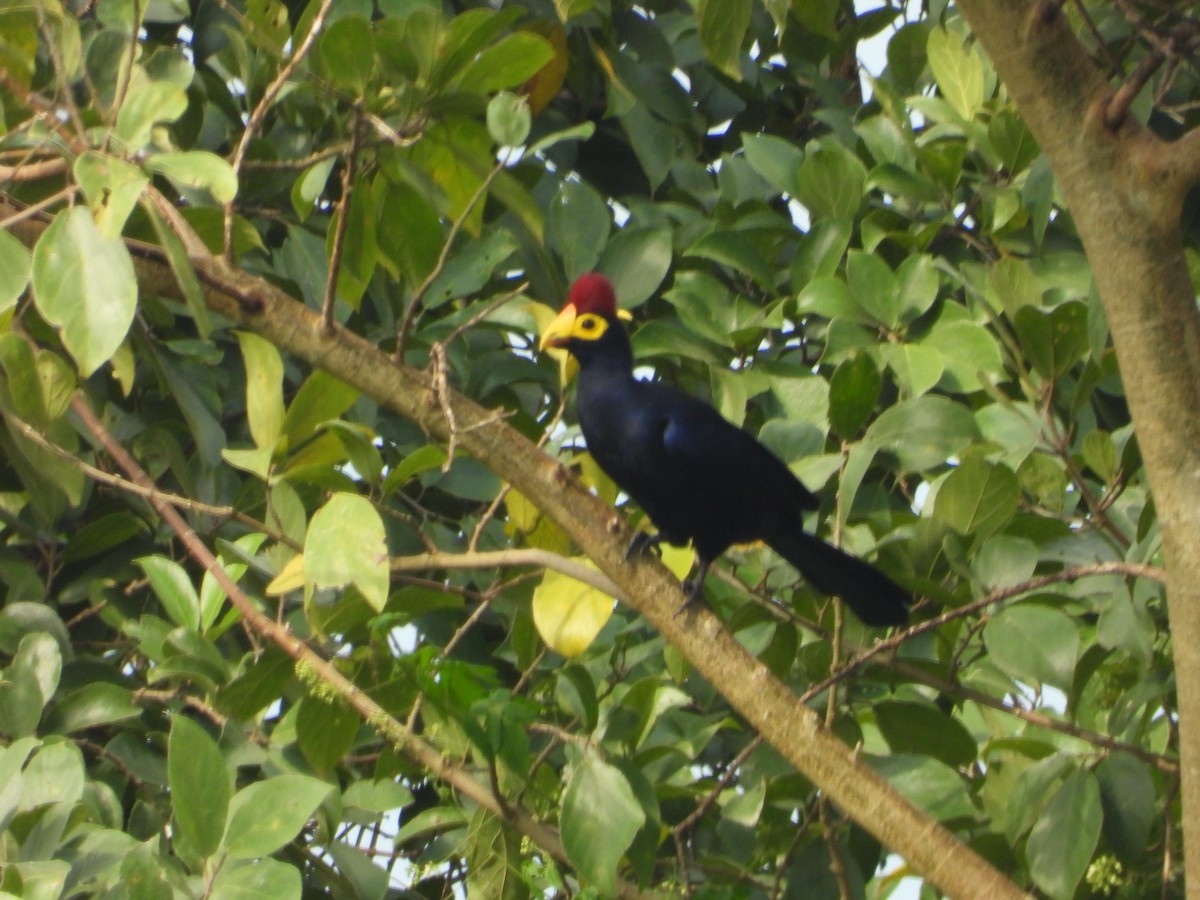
{"x": 882, "y": 284}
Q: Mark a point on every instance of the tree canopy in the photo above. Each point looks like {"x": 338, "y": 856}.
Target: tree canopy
{"x": 309, "y": 580}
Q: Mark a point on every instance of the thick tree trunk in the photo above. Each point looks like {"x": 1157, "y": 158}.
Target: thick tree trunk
{"x": 1125, "y": 188}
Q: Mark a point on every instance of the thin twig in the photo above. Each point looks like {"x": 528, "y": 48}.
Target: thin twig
{"x": 349, "y": 171}
{"x": 260, "y": 111}
{"x": 414, "y": 305}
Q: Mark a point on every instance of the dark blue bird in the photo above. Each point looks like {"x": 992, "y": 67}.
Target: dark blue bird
{"x": 698, "y": 477}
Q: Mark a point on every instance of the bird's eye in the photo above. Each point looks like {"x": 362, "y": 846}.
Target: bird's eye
{"x": 587, "y": 324}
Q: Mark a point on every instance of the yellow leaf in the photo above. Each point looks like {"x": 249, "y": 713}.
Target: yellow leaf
{"x": 290, "y": 577}
{"x": 569, "y": 614}
{"x": 678, "y": 559}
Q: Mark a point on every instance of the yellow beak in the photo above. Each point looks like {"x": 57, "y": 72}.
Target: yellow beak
{"x": 558, "y": 332}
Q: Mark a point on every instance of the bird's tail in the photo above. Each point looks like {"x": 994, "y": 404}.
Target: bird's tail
{"x": 873, "y": 597}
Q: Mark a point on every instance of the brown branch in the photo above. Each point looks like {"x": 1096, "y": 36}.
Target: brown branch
{"x": 34, "y": 171}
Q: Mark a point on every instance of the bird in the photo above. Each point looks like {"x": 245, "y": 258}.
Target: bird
{"x": 697, "y": 476}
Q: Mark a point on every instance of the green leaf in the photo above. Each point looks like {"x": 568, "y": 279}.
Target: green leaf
{"x": 774, "y": 158}
{"x": 346, "y": 544}
{"x": 258, "y": 880}
{"x": 493, "y": 859}
{"x": 920, "y": 728}
{"x": 508, "y": 63}
{"x": 325, "y": 731}
{"x": 830, "y": 183}
{"x": 577, "y": 227}
{"x": 94, "y": 704}
{"x": 1130, "y": 803}
{"x": 978, "y": 498}
{"x": 967, "y": 351}
{"x": 264, "y": 388}
{"x": 84, "y": 284}
{"x": 471, "y": 268}
{"x": 21, "y": 701}
{"x": 918, "y": 368}
{"x": 737, "y": 251}
{"x": 346, "y": 53}
{"x": 1063, "y": 839}
{"x": 722, "y": 25}
{"x": 16, "y": 263}
{"x": 508, "y": 119}
{"x": 23, "y": 387}
{"x": 174, "y": 588}
{"x": 147, "y": 104}
{"x": 923, "y": 432}
{"x": 197, "y": 169}
{"x": 873, "y": 287}
{"x": 321, "y": 398}
{"x": 268, "y": 814}
{"x": 200, "y": 786}
{"x": 1034, "y": 644}
{"x": 930, "y": 784}
{"x": 636, "y": 260}
{"x": 853, "y": 392}
{"x": 599, "y": 818}
{"x": 958, "y": 69}
{"x": 1053, "y": 340}
{"x": 113, "y": 188}
{"x": 182, "y": 269}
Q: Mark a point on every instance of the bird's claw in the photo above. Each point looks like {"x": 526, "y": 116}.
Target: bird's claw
{"x": 641, "y": 542}
{"x": 693, "y": 590}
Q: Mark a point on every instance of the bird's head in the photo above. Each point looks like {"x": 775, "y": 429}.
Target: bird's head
{"x": 590, "y": 311}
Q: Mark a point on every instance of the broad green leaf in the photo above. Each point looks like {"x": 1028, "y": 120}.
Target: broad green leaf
{"x": 264, "y": 388}
{"x": 853, "y": 391}
{"x": 917, "y": 368}
{"x": 310, "y": 186}
{"x": 268, "y": 814}
{"x": 722, "y": 25}
{"x": 1063, "y": 839}
{"x": 958, "y": 69}
{"x": 830, "y": 183}
{"x": 54, "y": 774}
{"x": 978, "y": 498}
{"x": 1130, "y": 803}
{"x": 22, "y": 385}
{"x": 920, "y": 728}
{"x": 182, "y": 269}
{"x": 568, "y": 613}
{"x": 346, "y": 53}
{"x": 493, "y": 859}
{"x": 967, "y": 351}
{"x": 775, "y": 159}
{"x": 577, "y": 228}
{"x": 569, "y": 9}
{"x": 100, "y": 703}
{"x": 508, "y": 119}
{"x": 1053, "y": 340}
{"x": 916, "y": 287}
{"x": 16, "y": 263}
{"x": 21, "y": 701}
{"x": 84, "y": 284}
{"x": 321, "y": 398}
{"x": 259, "y": 880}
{"x": 636, "y": 260}
{"x": 932, "y": 785}
{"x": 1034, "y": 643}
{"x": 508, "y": 63}
{"x": 737, "y": 251}
{"x": 200, "y": 786}
{"x": 325, "y": 731}
{"x": 40, "y": 654}
{"x": 113, "y": 188}
{"x": 346, "y": 544}
{"x": 197, "y": 169}
{"x": 471, "y": 268}
{"x": 873, "y": 287}
{"x": 376, "y": 796}
{"x": 146, "y": 104}
{"x": 599, "y": 817}
{"x": 923, "y": 433}
{"x": 174, "y": 590}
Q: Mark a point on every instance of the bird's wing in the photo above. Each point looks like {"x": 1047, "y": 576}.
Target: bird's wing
{"x": 722, "y": 457}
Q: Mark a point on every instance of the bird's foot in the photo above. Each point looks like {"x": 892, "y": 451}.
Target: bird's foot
{"x": 693, "y": 590}
{"x": 641, "y": 542}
